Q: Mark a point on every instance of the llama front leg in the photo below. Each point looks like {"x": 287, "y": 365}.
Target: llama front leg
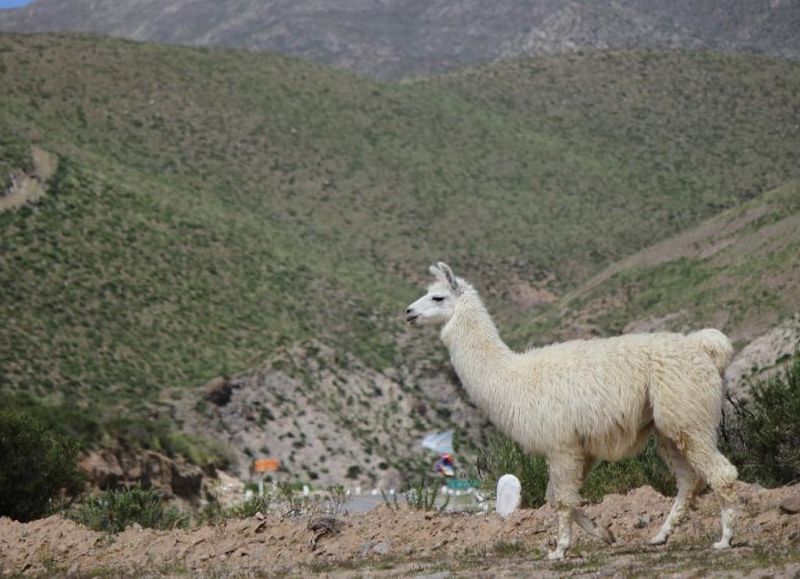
{"x": 564, "y": 534}
{"x": 564, "y": 484}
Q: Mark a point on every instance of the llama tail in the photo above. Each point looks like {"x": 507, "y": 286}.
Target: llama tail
{"x": 716, "y": 345}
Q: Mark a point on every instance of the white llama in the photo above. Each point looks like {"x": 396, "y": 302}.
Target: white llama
{"x": 584, "y": 400}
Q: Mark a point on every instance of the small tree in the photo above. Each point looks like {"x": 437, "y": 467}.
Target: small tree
{"x": 36, "y": 466}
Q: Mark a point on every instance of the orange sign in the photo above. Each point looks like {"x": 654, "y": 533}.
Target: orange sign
{"x": 266, "y": 465}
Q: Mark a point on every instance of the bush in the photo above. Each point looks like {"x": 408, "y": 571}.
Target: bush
{"x": 504, "y": 456}
{"x": 75, "y": 422}
{"x": 763, "y": 437}
{"x": 157, "y": 435}
{"x": 422, "y": 497}
{"x": 629, "y": 473}
{"x": 112, "y": 511}
{"x": 249, "y": 507}
{"x": 37, "y": 466}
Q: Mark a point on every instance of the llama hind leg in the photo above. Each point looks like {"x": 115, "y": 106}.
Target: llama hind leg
{"x": 588, "y": 525}
{"x": 688, "y": 483}
{"x": 721, "y": 476}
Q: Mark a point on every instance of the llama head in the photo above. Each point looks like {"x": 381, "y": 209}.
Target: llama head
{"x": 438, "y": 304}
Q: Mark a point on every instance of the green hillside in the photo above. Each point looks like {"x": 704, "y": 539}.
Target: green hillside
{"x": 739, "y": 270}
{"x": 211, "y": 205}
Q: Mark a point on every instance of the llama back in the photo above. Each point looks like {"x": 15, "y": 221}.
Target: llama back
{"x": 716, "y": 344}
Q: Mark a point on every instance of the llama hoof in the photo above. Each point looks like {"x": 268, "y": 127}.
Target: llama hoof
{"x": 555, "y": 555}
{"x": 721, "y": 545}
{"x": 658, "y": 540}
{"x": 606, "y": 535}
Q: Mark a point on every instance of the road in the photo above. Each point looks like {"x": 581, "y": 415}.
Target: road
{"x": 365, "y": 503}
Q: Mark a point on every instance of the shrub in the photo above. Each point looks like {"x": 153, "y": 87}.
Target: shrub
{"x": 764, "y": 437}
{"x": 158, "y": 435}
{"x": 619, "y": 477}
{"x": 112, "y": 511}
{"x": 197, "y": 450}
{"x": 353, "y": 471}
{"x": 338, "y": 497}
{"x": 504, "y": 456}
{"x": 74, "y": 422}
{"x": 249, "y": 507}
{"x": 37, "y": 465}
{"x": 422, "y": 496}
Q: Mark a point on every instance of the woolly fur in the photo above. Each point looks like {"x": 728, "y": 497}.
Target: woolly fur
{"x": 583, "y": 400}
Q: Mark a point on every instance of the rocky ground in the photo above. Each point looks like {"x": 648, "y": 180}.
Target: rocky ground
{"x": 389, "y": 542}
{"x": 329, "y": 417}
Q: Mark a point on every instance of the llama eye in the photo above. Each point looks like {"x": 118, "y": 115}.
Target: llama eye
{"x": 438, "y": 298}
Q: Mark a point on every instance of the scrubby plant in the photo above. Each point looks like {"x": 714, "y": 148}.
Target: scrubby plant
{"x": 338, "y": 497}
{"x": 422, "y": 496}
{"x": 211, "y": 513}
{"x": 112, "y": 511}
{"x": 38, "y": 467}
{"x": 249, "y": 507}
{"x": 504, "y": 456}
{"x": 288, "y": 493}
{"x": 159, "y": 435}
{"x": 353, "y": 471}
{"x": 197, "y": 450}
{"x": 763, "y": 435}
{"x": 619, "y": 477}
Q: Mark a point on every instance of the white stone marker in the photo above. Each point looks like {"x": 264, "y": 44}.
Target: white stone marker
{"x": 509, "y": 494}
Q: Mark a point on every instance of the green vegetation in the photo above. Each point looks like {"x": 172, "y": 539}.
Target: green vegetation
{"x": 504, "y": 456}
{"x": 738, "y": 271}
{"x": 620, "y": 477}
{"x": 211, "y": 206}
{"x": 514, "y": 548}
{"x": 159, "y": 435}
{"x": 422, "y": 496}
{"x": 249, "y": 507}
{"x": 112, "y": 511}
{"x": 763, "y": 438}
{"x": 74, "y": 421}
{"x": 37, "y": 466}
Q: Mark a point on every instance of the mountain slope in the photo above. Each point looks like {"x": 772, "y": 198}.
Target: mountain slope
{"x": 739, "y": 271}
{"x": 395, "y": 38}
{"x": 212, "y": 208}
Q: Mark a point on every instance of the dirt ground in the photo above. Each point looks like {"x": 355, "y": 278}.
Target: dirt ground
{"x": 392, "y": 543}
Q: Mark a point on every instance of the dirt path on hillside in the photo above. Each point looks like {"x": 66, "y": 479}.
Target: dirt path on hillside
{"x": 386, "y": 542}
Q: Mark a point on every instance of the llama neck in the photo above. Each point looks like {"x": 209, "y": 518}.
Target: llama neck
{"x": 477, "y": 352}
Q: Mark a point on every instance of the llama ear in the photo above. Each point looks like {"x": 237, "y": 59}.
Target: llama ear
{"x": 448, "y": 274}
